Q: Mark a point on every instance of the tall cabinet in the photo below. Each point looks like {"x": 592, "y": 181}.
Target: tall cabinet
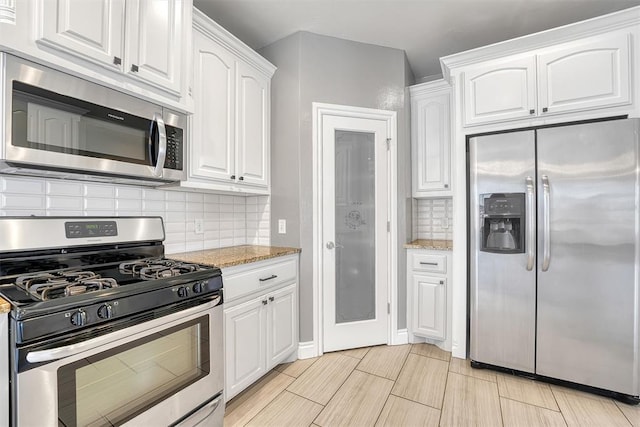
{"x": 230, "y": 132}
{"x": 431, "y": 139}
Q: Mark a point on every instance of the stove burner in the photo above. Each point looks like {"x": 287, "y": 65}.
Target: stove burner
{"x": 46, "y": 286}
{"x": 157, "y": 268}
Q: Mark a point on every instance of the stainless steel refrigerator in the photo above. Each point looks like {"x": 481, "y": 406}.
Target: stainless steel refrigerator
{"x": 554, "y": 252}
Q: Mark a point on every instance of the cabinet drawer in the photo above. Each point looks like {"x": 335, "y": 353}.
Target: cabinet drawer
{"x": 428, "y": 262}
{"x": 264, "y": 276}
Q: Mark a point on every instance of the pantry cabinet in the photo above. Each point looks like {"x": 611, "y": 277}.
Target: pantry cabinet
{"x": 260, "y": 319}
{"x": 230, "y": 137}
{"x": 427, "y": 291}
{"x": 140, "y": 38}
{"x": 581, "y": 75}
{"x": 431, "y": 139}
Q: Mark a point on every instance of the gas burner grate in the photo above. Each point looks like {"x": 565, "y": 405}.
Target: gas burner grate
{"x": 47, "y": 286}
{"x": 157, "y": 268}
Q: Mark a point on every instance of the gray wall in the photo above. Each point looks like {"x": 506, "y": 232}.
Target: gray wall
{"x": 315, "y": 68}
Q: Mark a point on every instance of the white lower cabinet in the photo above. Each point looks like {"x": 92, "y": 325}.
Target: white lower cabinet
{"x": 260, "y": 319}
{"x": 428, "y": 277}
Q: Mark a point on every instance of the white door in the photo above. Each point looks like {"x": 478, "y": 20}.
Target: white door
{"x": 213, "y": 132}
{"x": 91, "y": 30}
{"x": 253, "y": 126}
{"x": 155, "y": 42}
{"x": 355, "y": 211}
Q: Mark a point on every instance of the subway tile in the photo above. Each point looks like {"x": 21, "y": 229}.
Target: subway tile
{"x": 22, "y": 212}
{"x": 195, "y": 198}
{"x": 62, "y": 188}
{"x": 152, "y": 206}
{"x": 174, "y": 227}
{"x": 98, "y": 212}
{"x": 211, "y": 244}
{"x": 22, "y": 185}
{"x": 152, "y": 194}
{"x": 63, "y": 212}
{"x": 175, "y": 217}
{"x": 22, "y": 201}
{"x": 94, "y": 204}
{"x": 174, "y": 248}
{"x": 194, "y": 245}
{"x": 129, "y": 205}
{"x": 212, "y": 199}
{"x": 124, "y": 192}
{"x": 64, "y": 203}
{"x": 225, "y": 243}
{"x": 97, "y": 190}
{"x": 228, "y": 200}
{"x": 212, "y": 235}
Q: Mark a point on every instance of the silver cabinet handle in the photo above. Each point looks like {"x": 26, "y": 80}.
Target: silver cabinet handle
{"x": 331, "y": 245}
{"x": 545, "y": 223}
{"x": 529, "y": 223}
{"x": 273, "y": 276}
{"x": 428, "y": 263}
{"x": 162, "y": 143}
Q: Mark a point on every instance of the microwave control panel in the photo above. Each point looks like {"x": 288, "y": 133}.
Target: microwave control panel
{"x": 175, "y": 148}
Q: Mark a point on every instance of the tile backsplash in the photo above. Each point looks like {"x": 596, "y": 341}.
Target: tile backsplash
{"x": 227, "y": 220}
{"x": 432, "y": 219}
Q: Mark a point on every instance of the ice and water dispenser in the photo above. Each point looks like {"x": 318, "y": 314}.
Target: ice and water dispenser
{"x": 503, "y": 222}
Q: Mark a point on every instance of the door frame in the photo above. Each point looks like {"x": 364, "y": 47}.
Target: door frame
{"x": 319, "y": 112}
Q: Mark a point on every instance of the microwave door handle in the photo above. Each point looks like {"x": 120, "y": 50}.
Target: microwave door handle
{"x": 162, "y": 143}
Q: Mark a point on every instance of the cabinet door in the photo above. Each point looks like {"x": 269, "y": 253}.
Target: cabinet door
{"x": 92, "y": 30}
{"x": 282, "y": 331}
{"x": 253, "y": 126}
{"x": 154, "y": 40}
{"x": 212, "y": 136}
{"x": 584, "y": 75}
{"x": 429, "y": 306}
{"x": 245, "y": 345}
{"x": 500, "y": 90}
{"x": 431, "y": 139}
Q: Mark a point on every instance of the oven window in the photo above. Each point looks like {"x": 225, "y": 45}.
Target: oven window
{"x": 112, "y": 387}
{"x": 48, "y": 121}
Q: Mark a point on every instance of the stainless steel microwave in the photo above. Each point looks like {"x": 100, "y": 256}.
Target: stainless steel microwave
{"x": 56, "y": 124}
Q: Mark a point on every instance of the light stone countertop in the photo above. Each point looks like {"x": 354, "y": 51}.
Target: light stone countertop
{"x": 439, "y": 245}
{"x": 5, "y": 307}
{"x": 234, "y": 255}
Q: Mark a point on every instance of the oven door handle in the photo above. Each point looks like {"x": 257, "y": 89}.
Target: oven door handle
{"x": 204, "y": 411}
{"x": 52, "y": 354}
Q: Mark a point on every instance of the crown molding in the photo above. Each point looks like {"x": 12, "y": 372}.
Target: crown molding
{"x": 434, "y": 86}
{"x": 216, "y": 32}
{"x": 591, "y": 27}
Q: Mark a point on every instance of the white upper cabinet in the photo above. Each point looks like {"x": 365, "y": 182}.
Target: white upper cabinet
{"x": 253, "y": 126}
{"x": 142, "y": 38}
{"x": 154, "y": 42}
{"x": 92, "y": 30}
{"x": 213, "y": 130}
{"x": 431, "y": 139}
{"x": 230, "y": 133}
{"x": 500, "y": 90}
{"x": 583, "y": 75}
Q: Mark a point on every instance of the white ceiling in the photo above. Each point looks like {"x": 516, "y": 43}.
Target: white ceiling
{"x": 425, "y": 29}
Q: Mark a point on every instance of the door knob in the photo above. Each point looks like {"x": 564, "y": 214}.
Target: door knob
{"x": 331, "y": 245}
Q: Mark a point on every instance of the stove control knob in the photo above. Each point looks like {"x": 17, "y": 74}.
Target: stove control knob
{"x": 183, "y": 292}
{"x": 199, "y": 287}
{"x": 79, "y": 318}
{"x": 105, "y": 311}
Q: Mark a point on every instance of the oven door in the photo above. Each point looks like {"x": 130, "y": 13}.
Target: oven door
{"x": 153, "y": 373}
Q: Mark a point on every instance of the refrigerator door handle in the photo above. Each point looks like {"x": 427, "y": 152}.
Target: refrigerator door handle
{"x": 545, "y": 223}
{"x": 530, "y": 223}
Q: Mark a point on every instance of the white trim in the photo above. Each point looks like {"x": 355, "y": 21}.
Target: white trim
{"x": 319, "y": 111}
{"x": 8, "y": 12}
{"x": 307, "y": 350}
{"x": 400, "y": 337}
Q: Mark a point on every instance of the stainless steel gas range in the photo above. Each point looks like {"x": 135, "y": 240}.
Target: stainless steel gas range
{"x": 104, "y": 330}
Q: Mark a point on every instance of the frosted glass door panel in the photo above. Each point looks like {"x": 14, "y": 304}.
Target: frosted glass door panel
{"x": 355, "y": 226}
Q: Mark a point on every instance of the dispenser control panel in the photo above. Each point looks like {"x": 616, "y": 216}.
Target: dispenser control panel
{"x": 503, "y": 222}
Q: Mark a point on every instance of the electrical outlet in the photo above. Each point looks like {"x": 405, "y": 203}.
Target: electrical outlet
{"x": 444, "y": 222}
{"x": 282, "y": 226}
{"x": 199, "y": 226}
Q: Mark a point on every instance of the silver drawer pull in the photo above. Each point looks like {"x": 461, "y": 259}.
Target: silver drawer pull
{"x": 428, "y": 263}
{"x": 273, "y": 276}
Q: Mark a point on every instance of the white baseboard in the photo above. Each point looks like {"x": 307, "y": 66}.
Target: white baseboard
{"x": 400, "y": 337}
{"x": 306, "y": 350}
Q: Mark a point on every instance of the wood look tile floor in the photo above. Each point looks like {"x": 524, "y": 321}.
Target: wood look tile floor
{"x": 413, "y": 385}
